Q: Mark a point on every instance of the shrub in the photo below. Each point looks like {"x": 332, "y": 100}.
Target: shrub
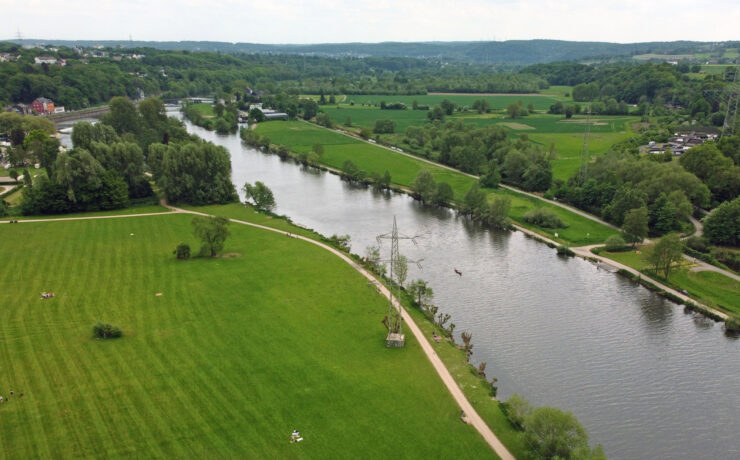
{"x": 615, "y": 243}
{"x": 544, "y": 217}
{"x": 698, "y": 243}
{"x": 106, "y": 331}
{"x": 182, "y": 251}
{"x": 565, "y": 251}
{"x": 732, "y": 324}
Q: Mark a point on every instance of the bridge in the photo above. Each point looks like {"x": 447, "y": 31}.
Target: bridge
{"x": 92, "y": 112}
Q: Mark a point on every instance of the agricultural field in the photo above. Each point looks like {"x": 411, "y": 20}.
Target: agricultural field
{"x": 338, "y": 148}
{"x": 497, "y": 101}
{"x": 542, "y": 128}
{"x": 219, "y": 357}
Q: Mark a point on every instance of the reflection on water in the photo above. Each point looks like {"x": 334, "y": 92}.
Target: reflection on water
{"x": 646, "y": 380}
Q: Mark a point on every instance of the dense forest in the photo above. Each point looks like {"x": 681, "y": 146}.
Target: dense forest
{"x": 112, "y": 163}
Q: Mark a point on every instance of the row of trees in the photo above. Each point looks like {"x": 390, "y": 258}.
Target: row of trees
{"x": 486, "y": 151}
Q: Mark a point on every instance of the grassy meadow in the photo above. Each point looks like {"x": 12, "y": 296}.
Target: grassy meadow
{"x": 545, "y": 129}
{"x": 235, "y": 353}
{"x": 338, "y": 148}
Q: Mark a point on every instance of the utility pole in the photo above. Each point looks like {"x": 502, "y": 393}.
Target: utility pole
{"x": 394, "y": 320}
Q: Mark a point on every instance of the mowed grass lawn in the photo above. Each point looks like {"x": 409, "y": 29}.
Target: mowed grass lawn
{"x": 235, "y": 354}
{"x": 338, "y": 148}
{"x": 204, "y": 109}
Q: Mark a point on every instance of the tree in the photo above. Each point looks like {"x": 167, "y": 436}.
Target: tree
{"x": 443, "y": 194}
{"x": 213, "y": 232}
{"x": 372, "y": 255}
{"x": 123, "y": 116}
{"x": 514, "y": 110}
{"x": 260, "y": 194}
{"x": 256, "y": 115}
{"x": 310, "y": 108}
{"x": 447, "y": 106}
{"x": 41, "y": 148}
{"x": 436, "y": 113}
{"x": 424, "y": 186}
{"x": 421, "y": 292}
{"x": 498, "y": 211}
{"x": 662, "y": 215}
{"x": 614, "y": 243}
{"x": 722, "y": 226}
{"x": 551, "y": 433}
{"x": 106, "y": 331}
{"x": 492, "y": 177}
{"x": 182, "y": 251}
{"x": 318, "y": 149}
{"x": 400, "y": 269}
{"x": 635, "y": 225}
{"x": 663, "y": 254}
{"x": 481, "y": 106}
{"x": 475, "y": 201}
{"x": 384, "y": 126}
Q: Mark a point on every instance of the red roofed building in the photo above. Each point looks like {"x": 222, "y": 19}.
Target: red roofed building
{"x": 42, "y": 105}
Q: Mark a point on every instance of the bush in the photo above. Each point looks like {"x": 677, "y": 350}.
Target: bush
{"x": 732, "y": 324}
{"x": 182, "y": 251}
{"x": 565, "y": 251}
{"x": 698, "y": 243}
{"x": 615, "y": 243}
{"x": 544, "y": 217}
{"x": 106, "y": 331}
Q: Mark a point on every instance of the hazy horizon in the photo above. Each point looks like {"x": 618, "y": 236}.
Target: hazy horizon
{"x": 300, "y": 22}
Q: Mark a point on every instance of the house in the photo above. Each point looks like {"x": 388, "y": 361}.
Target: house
{"x": 45, "y": 60}
{"x": 7, "y": 57}
{"x": 42, "y": 105}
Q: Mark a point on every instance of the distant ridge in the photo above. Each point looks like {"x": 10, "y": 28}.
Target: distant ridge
{"x": 521, "y": 52}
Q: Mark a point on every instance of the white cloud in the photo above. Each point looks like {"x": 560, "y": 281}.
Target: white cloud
{"x": 320, "y": 21}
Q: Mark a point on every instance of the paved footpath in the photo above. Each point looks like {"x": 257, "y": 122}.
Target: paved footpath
{"x": 585, "y": 252}
{"x": 472, "y": 416}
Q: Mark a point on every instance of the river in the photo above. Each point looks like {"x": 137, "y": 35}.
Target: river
{"x": 646, "y": 378}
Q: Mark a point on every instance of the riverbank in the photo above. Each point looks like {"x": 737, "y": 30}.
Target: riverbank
{"x": 300, "y": 137}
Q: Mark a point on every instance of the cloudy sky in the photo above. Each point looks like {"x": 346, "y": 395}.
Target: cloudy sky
{"x": 327, "y": 21}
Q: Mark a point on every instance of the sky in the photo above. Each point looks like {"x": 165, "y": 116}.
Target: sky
{"x": 336, "y": 21}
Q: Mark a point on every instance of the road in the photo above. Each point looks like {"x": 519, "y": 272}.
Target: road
{"x": 473, "y": 417}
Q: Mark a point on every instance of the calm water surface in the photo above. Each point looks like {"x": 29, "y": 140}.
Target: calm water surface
{"x": 645, "y": 378}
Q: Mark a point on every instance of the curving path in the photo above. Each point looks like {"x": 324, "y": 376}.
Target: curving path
{"x": 585, "y": 252}
{"x": 472, "y": 416}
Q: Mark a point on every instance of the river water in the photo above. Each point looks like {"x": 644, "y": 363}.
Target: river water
{"x": 646, "y": 379}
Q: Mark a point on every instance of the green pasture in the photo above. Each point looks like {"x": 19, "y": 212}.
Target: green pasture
{"x": 204, "y": 109}
{"x": 497, "y": 101}
{"x": 367, "y": 116}
{"x": 338, "y": 148}
{"x": 235, "y": 353}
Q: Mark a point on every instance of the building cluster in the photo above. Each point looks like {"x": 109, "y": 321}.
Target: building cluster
{"x": 680, "y": 143}
{"x": 40, "y": 106}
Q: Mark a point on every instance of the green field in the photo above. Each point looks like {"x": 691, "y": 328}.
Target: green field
{"x": 497, "y": 101}
{"x": 542, "y": 128}
{"x": 300, "y": 137}
{"x": 236, "y": 353}
{"x": 204, "y": 109}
